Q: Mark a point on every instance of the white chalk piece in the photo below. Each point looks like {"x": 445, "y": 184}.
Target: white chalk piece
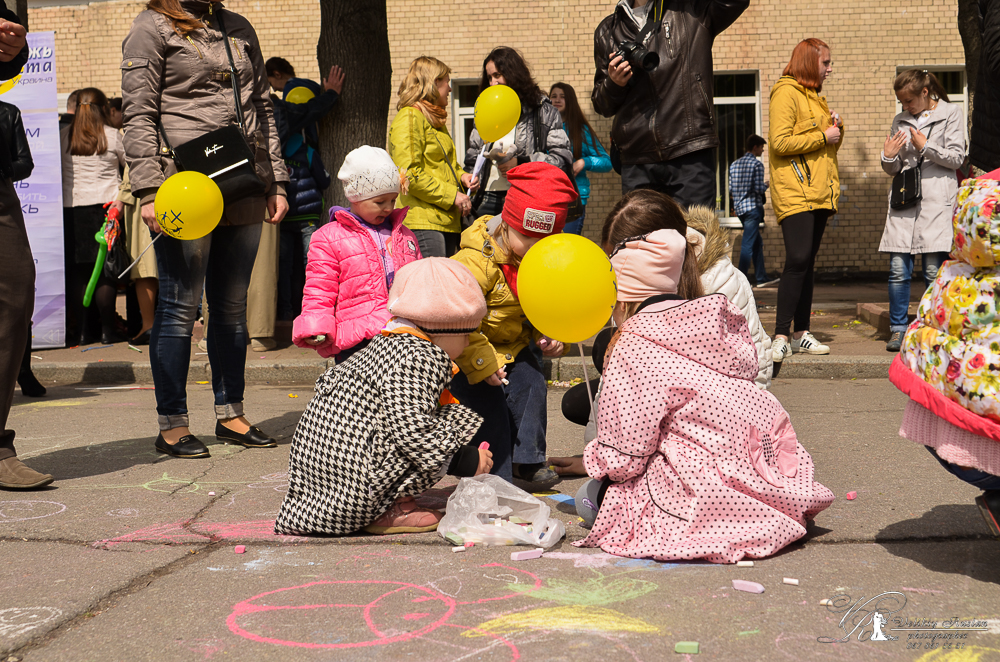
{"x": 505, "y": 382}
{"x": 789, "y": 580}
{"x": 240, "y": 549}
{"x": 458, "y": 548}
{"x": 826, "y": 602}
{"x": 744, "y": 564}
{"x": 211, "y": 494}
{"x": 749, "y": 587}
{"x": 528, "y": 554}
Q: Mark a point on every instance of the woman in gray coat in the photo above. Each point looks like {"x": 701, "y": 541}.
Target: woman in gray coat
{"x": 928, "y": 134}
{"x": 538, "y": 136}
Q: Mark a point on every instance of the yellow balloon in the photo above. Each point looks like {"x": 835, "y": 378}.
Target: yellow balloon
{"x": 567, "y": 287}
{"x": 299, "y": 95}
{"x": 497, "y": 111}
{"x": 188, "y": 205}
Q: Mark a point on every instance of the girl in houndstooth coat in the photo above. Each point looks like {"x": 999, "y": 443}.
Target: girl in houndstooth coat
{"x": 382, "y": 427}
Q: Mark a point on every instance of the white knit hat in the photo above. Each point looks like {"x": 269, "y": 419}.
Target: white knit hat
{"x": 369, "y": 172}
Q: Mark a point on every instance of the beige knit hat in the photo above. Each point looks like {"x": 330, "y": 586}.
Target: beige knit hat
{"x": 368, "y": 172}
{"x": 439, "y": 295}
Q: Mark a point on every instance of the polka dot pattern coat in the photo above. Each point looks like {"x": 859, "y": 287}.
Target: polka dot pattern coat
{"x": 704, "y": 464}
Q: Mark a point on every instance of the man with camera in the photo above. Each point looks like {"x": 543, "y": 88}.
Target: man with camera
{"x": 654, "y": 76}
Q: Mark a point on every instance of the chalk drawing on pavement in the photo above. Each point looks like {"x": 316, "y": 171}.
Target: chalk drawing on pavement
{"x": 19, "y": 511}
{"x": 15, "y": 621}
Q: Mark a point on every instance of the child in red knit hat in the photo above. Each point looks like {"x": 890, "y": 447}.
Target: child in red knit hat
{"x": 501, "y": 379}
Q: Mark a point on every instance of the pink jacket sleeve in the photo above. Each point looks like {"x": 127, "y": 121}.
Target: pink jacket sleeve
{"x": 631, "y": 412}
{"x": 319, "y": 297}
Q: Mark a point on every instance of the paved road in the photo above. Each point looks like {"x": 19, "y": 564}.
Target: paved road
{"x": 130, "y": 556}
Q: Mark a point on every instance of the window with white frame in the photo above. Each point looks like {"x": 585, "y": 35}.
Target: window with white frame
{"x": 463, "y": 111}
{"x": 737, "y": 117}
{"x": 955, "y": 83}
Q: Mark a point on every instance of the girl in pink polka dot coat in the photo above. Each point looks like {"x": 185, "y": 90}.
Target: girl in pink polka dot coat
{"x": 692, "y": 460}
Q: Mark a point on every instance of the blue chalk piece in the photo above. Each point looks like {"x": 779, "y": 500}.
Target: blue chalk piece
{"x": 562, "y": 498}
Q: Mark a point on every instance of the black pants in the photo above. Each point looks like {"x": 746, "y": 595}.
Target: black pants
{"x": 803, "y": 234}
{"x": 688, "y": 179}
{"x": 17, "y": 302}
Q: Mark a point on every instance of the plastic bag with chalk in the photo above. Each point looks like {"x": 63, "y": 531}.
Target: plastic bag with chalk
{"x": 477, "y": 499}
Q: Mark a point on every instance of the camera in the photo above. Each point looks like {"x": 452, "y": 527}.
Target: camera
{"x": 636, "y": 55}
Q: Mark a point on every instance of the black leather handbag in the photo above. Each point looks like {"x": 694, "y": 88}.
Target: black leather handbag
{"x": 223, "y": 154}
{"x": 906, "y": 185}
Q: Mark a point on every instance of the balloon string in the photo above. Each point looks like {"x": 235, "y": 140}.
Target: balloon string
{"x": 136, "y": 261}
{"x": 586, "y": 380}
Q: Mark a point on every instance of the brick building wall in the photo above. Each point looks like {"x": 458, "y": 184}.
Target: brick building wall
{"x": 869, "y": 40}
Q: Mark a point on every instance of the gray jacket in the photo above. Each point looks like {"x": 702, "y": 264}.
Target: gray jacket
{"x": 555, "y": 150}
{"x": 926, "y": 226}
{"x": 181, "y": 82}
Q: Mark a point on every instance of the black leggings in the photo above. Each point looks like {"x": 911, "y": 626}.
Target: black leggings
{"x": 803, "y": 234}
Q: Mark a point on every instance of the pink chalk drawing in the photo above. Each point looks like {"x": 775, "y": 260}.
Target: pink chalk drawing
{"x": 185, "y": 532}
{"x": 19, "y": 511}
{"x": 386, "y": 616}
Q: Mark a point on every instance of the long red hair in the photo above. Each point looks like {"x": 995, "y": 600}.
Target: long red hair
{"x": 184, "y": 22}
{"x": 804, "y": 65}
{"x": 86, "y": 133}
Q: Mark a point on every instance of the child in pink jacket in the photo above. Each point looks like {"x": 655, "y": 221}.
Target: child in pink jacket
{"x": 692, "y": 460}
{"x": 354, "y": 258}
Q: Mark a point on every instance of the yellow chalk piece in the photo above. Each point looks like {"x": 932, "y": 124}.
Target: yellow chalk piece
{"x": 292, "y": 395}
{"x": 544, "y": 493}
{"x": 570, "y": 619}
{"x": 201, "y": 382}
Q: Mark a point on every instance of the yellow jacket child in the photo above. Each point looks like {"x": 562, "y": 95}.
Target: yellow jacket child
{"x": 501, "y": 379}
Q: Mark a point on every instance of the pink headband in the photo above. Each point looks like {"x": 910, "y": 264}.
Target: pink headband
{"x": 650, "y": 265}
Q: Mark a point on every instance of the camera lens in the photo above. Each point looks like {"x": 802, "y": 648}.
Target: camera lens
{"x": 647, "y": 60}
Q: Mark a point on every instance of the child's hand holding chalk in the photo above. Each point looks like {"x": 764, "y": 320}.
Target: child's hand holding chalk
{"x": 485, "y": 458}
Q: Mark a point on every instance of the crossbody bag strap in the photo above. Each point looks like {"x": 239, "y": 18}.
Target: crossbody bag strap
{"x": 443, "y": 150}
{"x": 920, "y": 161}
{"x": 233, "y": 74}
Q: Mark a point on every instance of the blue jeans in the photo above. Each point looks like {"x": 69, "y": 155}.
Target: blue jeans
{"x": 576, "y": 227}
{"x": 515, "y": 417}
{"x": 291, "y": 231}
{"x": 222, "y": 262}
{"x": 974, "y": 477}
{"x": 752, "y": 248}
{"x": 900, "y": 273}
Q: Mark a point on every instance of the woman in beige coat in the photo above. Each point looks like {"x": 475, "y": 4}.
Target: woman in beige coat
{"x": 177, "y": 85}
{"x": 929, "y": 135}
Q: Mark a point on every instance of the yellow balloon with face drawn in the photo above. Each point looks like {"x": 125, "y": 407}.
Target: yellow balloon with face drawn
{"x": 188, "y": 205}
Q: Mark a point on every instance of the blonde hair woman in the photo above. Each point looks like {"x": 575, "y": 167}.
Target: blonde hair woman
{"x": 421, "y": 146}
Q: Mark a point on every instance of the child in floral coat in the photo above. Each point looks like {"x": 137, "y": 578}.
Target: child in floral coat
{"x": 949, "y": 365}
{"x": 383, "y": 427}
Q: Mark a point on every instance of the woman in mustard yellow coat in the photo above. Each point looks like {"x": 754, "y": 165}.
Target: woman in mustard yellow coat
{"x": 420, "y": 144}
{"x": 804, "y": 137}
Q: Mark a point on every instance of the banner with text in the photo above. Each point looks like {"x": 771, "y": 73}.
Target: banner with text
{"x": 34, "y": 93}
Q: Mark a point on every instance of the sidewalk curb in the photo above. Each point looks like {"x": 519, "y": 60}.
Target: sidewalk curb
{"x": 305, "y": 372}
{"x": 797, "y": 367}
{"x": 126, "y": 372}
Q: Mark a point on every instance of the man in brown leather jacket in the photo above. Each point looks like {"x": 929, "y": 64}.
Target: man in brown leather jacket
{"x": 17, "y": 274}
{"x": 664, "y": 126}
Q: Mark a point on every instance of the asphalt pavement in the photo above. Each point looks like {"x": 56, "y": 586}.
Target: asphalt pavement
{"x": 131, "y": 555}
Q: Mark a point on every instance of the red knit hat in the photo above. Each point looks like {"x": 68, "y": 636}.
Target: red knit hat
{"x": 539, "y": 195}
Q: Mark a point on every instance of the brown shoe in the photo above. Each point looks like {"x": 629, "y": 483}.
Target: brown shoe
{"x": 15, "y": 475}
{"x": 405, "y": 516}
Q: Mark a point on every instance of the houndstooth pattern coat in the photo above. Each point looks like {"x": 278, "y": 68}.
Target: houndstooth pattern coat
{"x": 374, "y": 432}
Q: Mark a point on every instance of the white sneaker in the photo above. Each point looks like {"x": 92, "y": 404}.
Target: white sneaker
{"x": 780, "y": 350}
{"x": 808, "y": 344}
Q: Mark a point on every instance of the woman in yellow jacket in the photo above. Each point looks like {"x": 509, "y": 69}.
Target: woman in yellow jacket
{"x": 420, "y": 145}
{"x": 804, "y": 137}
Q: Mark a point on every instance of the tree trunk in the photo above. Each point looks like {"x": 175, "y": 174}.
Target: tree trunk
{"x": 972, "y": 42}
{"x": 355, "y": 35}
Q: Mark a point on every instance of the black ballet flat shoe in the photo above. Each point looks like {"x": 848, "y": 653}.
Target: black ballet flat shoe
{"x": 141, "y": 339}
{"x": 989, "y": 506}
{"x": 30, "y": 388}
{"x": 112, "y": 338}
{"x": 189, "y": 447}
{"x": 253, "y": 438}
